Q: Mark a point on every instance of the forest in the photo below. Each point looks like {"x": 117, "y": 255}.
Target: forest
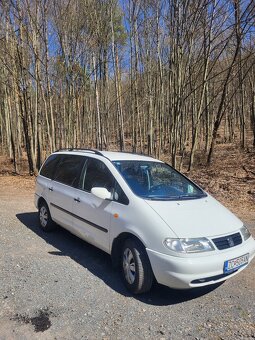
{"x": 159, "y": 77}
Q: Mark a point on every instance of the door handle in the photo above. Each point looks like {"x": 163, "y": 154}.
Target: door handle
{"x": 51, "y": 188}
{"x": 77, "y": 200}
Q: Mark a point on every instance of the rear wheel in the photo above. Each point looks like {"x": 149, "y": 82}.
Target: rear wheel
{"x": 45, "y": 220}
{"x": 135, "y": 267}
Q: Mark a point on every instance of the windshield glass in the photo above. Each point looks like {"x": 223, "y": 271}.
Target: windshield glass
{"x": 157, "y": 181}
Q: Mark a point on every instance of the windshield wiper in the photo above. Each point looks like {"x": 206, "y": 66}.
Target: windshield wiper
{"x": 165, "y": 198}
{"x": 193, "y": 196}
{"x": 174, "y": 198}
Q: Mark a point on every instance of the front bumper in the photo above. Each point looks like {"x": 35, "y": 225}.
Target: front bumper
{"x": 181, "y": 272}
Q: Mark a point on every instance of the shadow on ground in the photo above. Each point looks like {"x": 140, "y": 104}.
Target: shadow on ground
{"x": 99, "y": 264}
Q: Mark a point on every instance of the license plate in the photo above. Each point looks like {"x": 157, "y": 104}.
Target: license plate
{"x": 236, "y": 263}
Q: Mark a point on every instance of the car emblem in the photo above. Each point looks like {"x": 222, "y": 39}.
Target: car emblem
{"x": 230, "y": 242}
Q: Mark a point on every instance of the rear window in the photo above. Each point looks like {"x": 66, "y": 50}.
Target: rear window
{"x": 49, "y": 166}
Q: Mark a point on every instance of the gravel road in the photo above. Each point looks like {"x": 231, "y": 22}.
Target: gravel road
{"x": 55, "y": 286}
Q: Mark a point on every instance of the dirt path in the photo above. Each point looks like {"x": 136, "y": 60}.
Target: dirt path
{"x": 55, "y": 286}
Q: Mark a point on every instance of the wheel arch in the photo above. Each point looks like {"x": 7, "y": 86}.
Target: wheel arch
{"x": 41, "y": 200}
{"x": 117, "y": 245}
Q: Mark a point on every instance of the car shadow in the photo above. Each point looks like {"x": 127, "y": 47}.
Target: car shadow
{"x": 99, "y": 264}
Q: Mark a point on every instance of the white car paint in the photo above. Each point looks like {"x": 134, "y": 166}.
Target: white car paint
{"x": 196, "y": 218}
{"x": 151, "y": 222}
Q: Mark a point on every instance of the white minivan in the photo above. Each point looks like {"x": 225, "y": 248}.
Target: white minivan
{"x": 152, "y": 220}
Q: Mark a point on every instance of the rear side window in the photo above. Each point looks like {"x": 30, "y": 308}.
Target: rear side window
{"x": 69, "y": 170}
{"x": 49, "y": 166}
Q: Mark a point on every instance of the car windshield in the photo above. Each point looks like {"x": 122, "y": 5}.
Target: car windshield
{"x": 157, "y": 181}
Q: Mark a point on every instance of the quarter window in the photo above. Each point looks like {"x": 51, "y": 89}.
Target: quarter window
{"x": 119, "y": 195}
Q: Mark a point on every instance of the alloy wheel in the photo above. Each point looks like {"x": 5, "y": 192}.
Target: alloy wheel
{"x": 129, "y": 266}
{"x": 43, "y": 216}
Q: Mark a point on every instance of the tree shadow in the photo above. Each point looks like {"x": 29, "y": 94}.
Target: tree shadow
{"x": 99, "y": 264}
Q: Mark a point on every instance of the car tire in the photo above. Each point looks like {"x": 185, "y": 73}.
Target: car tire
{"x": 135, "y": 267}
{"x": 44, "y": 216}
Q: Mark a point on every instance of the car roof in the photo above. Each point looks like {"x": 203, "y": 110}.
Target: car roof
{"x": 111, "y": 155}
{"x": 119, "y": 156}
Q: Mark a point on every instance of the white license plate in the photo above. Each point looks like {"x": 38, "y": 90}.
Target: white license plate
{"x": 236, "y": 263}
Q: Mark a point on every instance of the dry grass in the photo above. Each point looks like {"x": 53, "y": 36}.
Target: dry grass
{"x": 230, "y": 179}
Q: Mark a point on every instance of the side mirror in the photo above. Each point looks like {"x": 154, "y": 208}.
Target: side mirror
{"x": 102, "y": 193}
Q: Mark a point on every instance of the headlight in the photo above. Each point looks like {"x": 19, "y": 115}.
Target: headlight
{"x": 245, "y": 232}
{"x": 189, "y": 245}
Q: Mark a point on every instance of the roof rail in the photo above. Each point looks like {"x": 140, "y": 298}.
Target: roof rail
{"x": 95, "y": 151}
{"x": 136, "y": 153}
{"x": 99, "y": 153}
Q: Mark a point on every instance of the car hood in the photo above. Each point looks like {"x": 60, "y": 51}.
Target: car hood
{"x": 203, "y": 217}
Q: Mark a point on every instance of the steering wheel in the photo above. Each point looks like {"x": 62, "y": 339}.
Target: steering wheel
{"x": 156, "y": 188}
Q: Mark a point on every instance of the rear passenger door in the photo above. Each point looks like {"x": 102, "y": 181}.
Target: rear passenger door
{"x": 62, "y": 196}
{"x": 92, "y": 215}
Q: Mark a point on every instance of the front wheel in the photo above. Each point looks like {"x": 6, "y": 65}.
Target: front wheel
{"x": 45, "y": 220}
{"x": 135, "y": 267}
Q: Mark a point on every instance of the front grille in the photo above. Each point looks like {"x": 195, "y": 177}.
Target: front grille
{"x": 227, "y": 241}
